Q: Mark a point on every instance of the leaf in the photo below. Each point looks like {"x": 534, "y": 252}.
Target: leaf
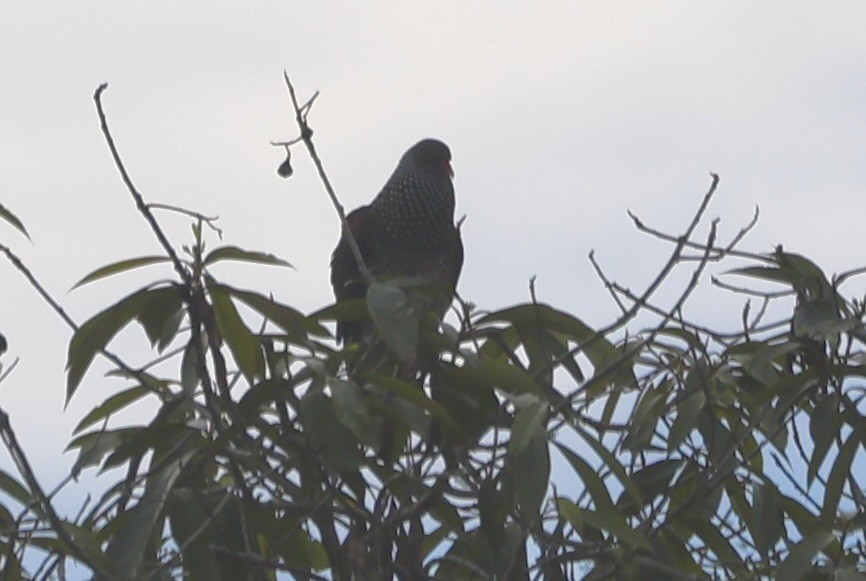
{"x": 614, "y": 465}
{"x": 118, "y": 267}
{"x": 799, "y": 559}
{"x": 161, "y": 316}
{"x": 11, "y": 486}
{"x": 768, "y": 273}
{"x": 604, "y": 357}
{"x": 589, "y": 476}
{"x": 688, "y": 412}
{"x": 245, "y": 348}
{"x": 838, "y": 474}
{"x": 413, "y": 395}
{"x": 111, "y": 405}
{"x": 235, "y": 253}
{"x": 291, "y": 321}
{"x": 529, "y": 462}
{"x": 352, "y": 410}
{"x": 327, "y": 436}
{"x": 8, "y": 216}
{"x": 770, "y": 520}
{"x": 395, "y": 319}
{"x": 127, "y": 548}
{"x": 93, "y": 447}
{"x": 824, "y": 425}
{"x": 528, "y": 424}
{"x": 608, "y": 519}
{"x": 94, "y": 335}
{"x": 495, "y": 373}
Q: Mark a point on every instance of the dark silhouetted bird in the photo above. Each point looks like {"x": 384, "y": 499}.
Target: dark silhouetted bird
{"x": 407, "y": 231}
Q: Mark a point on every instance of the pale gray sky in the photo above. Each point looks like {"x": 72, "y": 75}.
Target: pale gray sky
{"x": 560, "y": 117}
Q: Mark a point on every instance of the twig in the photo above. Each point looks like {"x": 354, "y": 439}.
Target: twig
{"x": 55, "y": 306}
{"x": 26, "y": 471}
{"x": 209, "y": 220}
{"x": 301, "y": 112}
{"x": 139, "y": 200}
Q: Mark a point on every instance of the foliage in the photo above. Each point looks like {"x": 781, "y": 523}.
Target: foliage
{"x": 520, "y": 443}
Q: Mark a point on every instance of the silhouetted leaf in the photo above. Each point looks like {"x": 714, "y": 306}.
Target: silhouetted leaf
{"x": 111, "y": 405}
{"x": 688, "y": 412}
{"x": 413, "y": 395}
{"x": 824, "y": 425}
{"x": 328, "y": 437}
{"x": 93, "y": 447}
{"x": 161, "y": 315}
{"x": 8, "y": 216}
{"x": 291, "y": 321}
{"x": 127, "y": 548}
{"x": 10, "y": 486}
{"x": 352, "y": 410}
{"x": 245, "y": 348}
{"x": 769, "y": 521}
{"x": 838, "y": 474}
{"x": 394, "y": 317}
{"x": 94, "y": 335}
{"x": 495, "y": 373}
{"x": 235, "y": 253}
{"x": 799, "y": 560}
{"x": 120, "y": 266}
{"x": 606, "y": 519}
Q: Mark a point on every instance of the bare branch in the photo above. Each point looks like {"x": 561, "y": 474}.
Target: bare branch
{"x": 301, "y": 113}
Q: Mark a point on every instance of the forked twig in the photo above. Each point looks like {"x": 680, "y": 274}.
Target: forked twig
{"x": 301, "y": 113}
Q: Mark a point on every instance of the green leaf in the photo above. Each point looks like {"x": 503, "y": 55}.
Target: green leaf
{"x": 495, "y": 373}
{"x": 768, "y": 273}
{"x": 127, "y": 548}
{"x": 327, "y": 436}
{"x": 529, "y": 423}
{"x": 413, "y": 395}
{"x": 94, "y": 446}
{"x": 608, "y": 519}
{"x": 770, "y": 520}
{"x": 799, "y": 559}
{"x": 590, "y": 478}
{"x": 111, "y": 405}
{"x": 394, "y": 317}
{"x": 838, "y": 474}
{"x": 688, "y": 412}
{"x": 245, "y": 348}
{"x": 613, "y": 464}
{"x": 8, "y": 216}
{"x": 352, "y": 410}
{"x": 235, "y": 253}
{"x": 118, "y": 267}
{"x": 530, "y": 462}
{"x": 94, "y": 335}
{"x": 161, "y": 316}
{"x": 15, "y": 489}
{"x": 604, "y": 357}
{"x": 824, "y": 425}
{"x": 291, "y": 321}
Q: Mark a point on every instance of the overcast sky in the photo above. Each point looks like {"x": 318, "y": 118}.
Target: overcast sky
{"x": 560, "y": 116}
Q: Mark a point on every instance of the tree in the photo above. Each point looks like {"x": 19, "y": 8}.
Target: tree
{"x": 523, "y": 444}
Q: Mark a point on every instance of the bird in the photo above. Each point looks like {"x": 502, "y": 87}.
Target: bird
{"x": 407, "y": 230}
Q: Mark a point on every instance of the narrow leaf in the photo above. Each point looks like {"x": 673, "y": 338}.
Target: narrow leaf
{"x": 111, "y": 405}
{"x": 799, "y": 560}
{"x": 118, "y": 267}
{"x": 93, "y": 336}
{"x": 394, "y": 317}
{"x": 245, "y": 348}
{"x": 235, "y": 253}
{"x": 8, "y": 216}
